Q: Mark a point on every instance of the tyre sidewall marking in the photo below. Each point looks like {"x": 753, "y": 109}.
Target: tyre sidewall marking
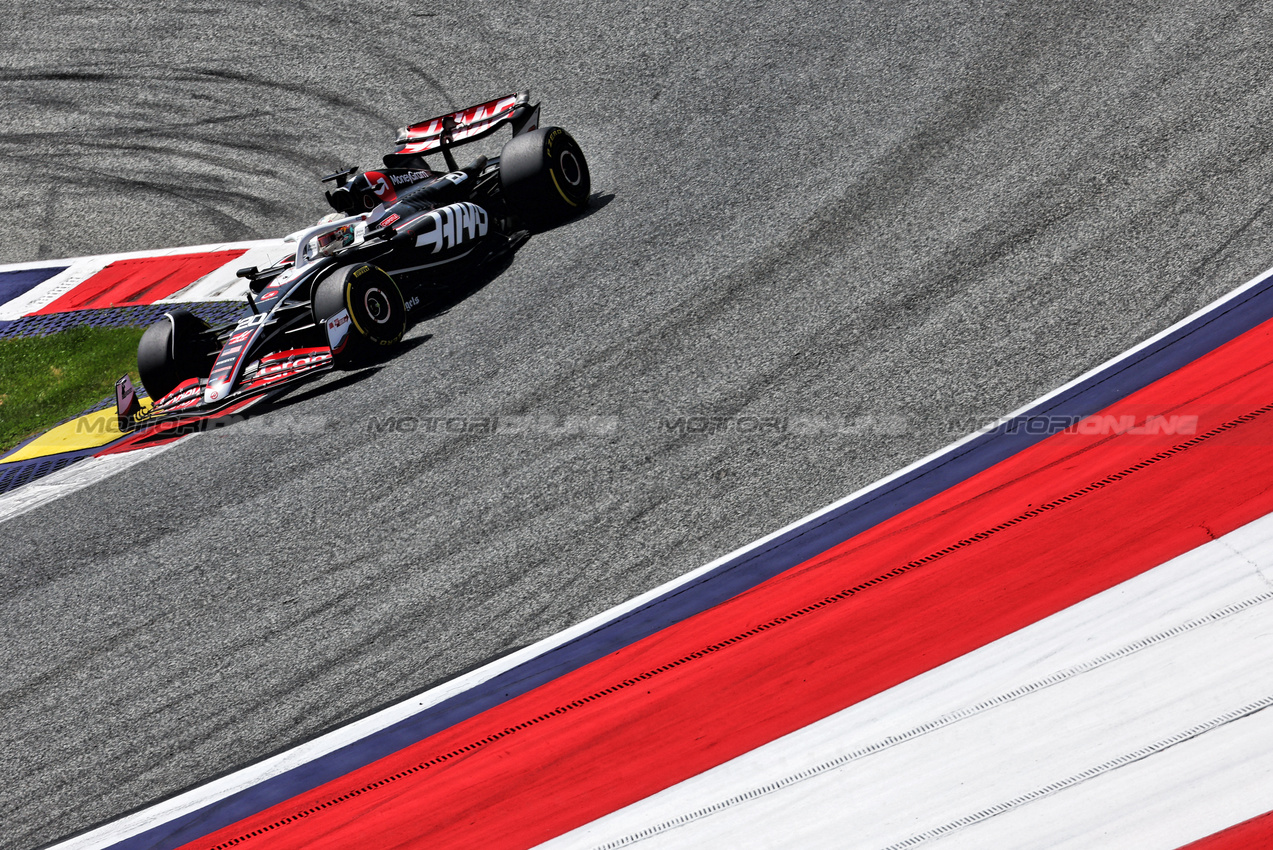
{"x": 560, "y": 191}
{"x": 349, "y": 303}
{"x": 353, "y": 315}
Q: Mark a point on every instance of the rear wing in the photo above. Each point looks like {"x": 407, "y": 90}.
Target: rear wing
{"x": 463, "y": 126}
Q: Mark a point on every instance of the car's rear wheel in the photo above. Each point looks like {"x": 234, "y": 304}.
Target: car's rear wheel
{"x": 172, "y": 350}
{"x": 377, "y": 314}
{"x": 544, "y": 177}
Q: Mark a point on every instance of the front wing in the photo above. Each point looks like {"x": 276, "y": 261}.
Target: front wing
{"x": 182, "y": 409}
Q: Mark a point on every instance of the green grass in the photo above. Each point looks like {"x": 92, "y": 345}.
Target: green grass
{"x": 44, "y": 380}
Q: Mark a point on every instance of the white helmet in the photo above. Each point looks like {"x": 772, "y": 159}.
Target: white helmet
{"x": 334, "y": 239}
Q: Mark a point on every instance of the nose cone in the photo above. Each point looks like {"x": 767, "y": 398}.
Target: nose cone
{"x": 215, "y": 392}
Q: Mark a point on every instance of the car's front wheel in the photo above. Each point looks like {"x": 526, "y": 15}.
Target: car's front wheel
{"x": 172, "y": 350}
{"x": 376, "y": 311}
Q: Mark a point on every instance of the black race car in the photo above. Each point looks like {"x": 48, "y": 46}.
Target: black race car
{"x": 397, "y": 234}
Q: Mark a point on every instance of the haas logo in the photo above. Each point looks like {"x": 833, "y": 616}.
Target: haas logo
{"x": 449, "y": 226}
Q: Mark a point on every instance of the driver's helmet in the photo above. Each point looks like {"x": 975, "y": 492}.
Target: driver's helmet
{"x": 332, "y": 240}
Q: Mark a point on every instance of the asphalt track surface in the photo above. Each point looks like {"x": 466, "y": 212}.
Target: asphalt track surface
{"x": 845, "y": 234}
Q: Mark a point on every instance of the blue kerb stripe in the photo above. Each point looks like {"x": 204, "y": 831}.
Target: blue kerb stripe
{"x": 1177, "y": 349}
{"x": 16, "y": 474}
{"x": 139, "y": 315}
{"x": 15, "y": 283}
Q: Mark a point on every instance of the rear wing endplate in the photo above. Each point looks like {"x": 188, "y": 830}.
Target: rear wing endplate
{"x": 464, "y": 126}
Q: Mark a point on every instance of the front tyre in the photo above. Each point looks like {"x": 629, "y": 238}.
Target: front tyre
{"x": 173, "y": 350}
{"x": 375, "y": 306}
{"x": 544, "y": 177}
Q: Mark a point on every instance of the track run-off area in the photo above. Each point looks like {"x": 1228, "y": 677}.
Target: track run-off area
{"x": 824, "y": 244}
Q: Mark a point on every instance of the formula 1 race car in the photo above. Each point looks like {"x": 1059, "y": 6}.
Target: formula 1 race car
{"x": 397, "y": 234}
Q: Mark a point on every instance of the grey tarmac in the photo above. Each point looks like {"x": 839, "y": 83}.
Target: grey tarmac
{"x": 844, "y": 233}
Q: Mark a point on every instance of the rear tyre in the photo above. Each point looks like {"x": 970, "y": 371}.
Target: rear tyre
{"x": 544, "y": 177}
{"x": 376, "y": 311}
{"x": 172, "y": 350}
